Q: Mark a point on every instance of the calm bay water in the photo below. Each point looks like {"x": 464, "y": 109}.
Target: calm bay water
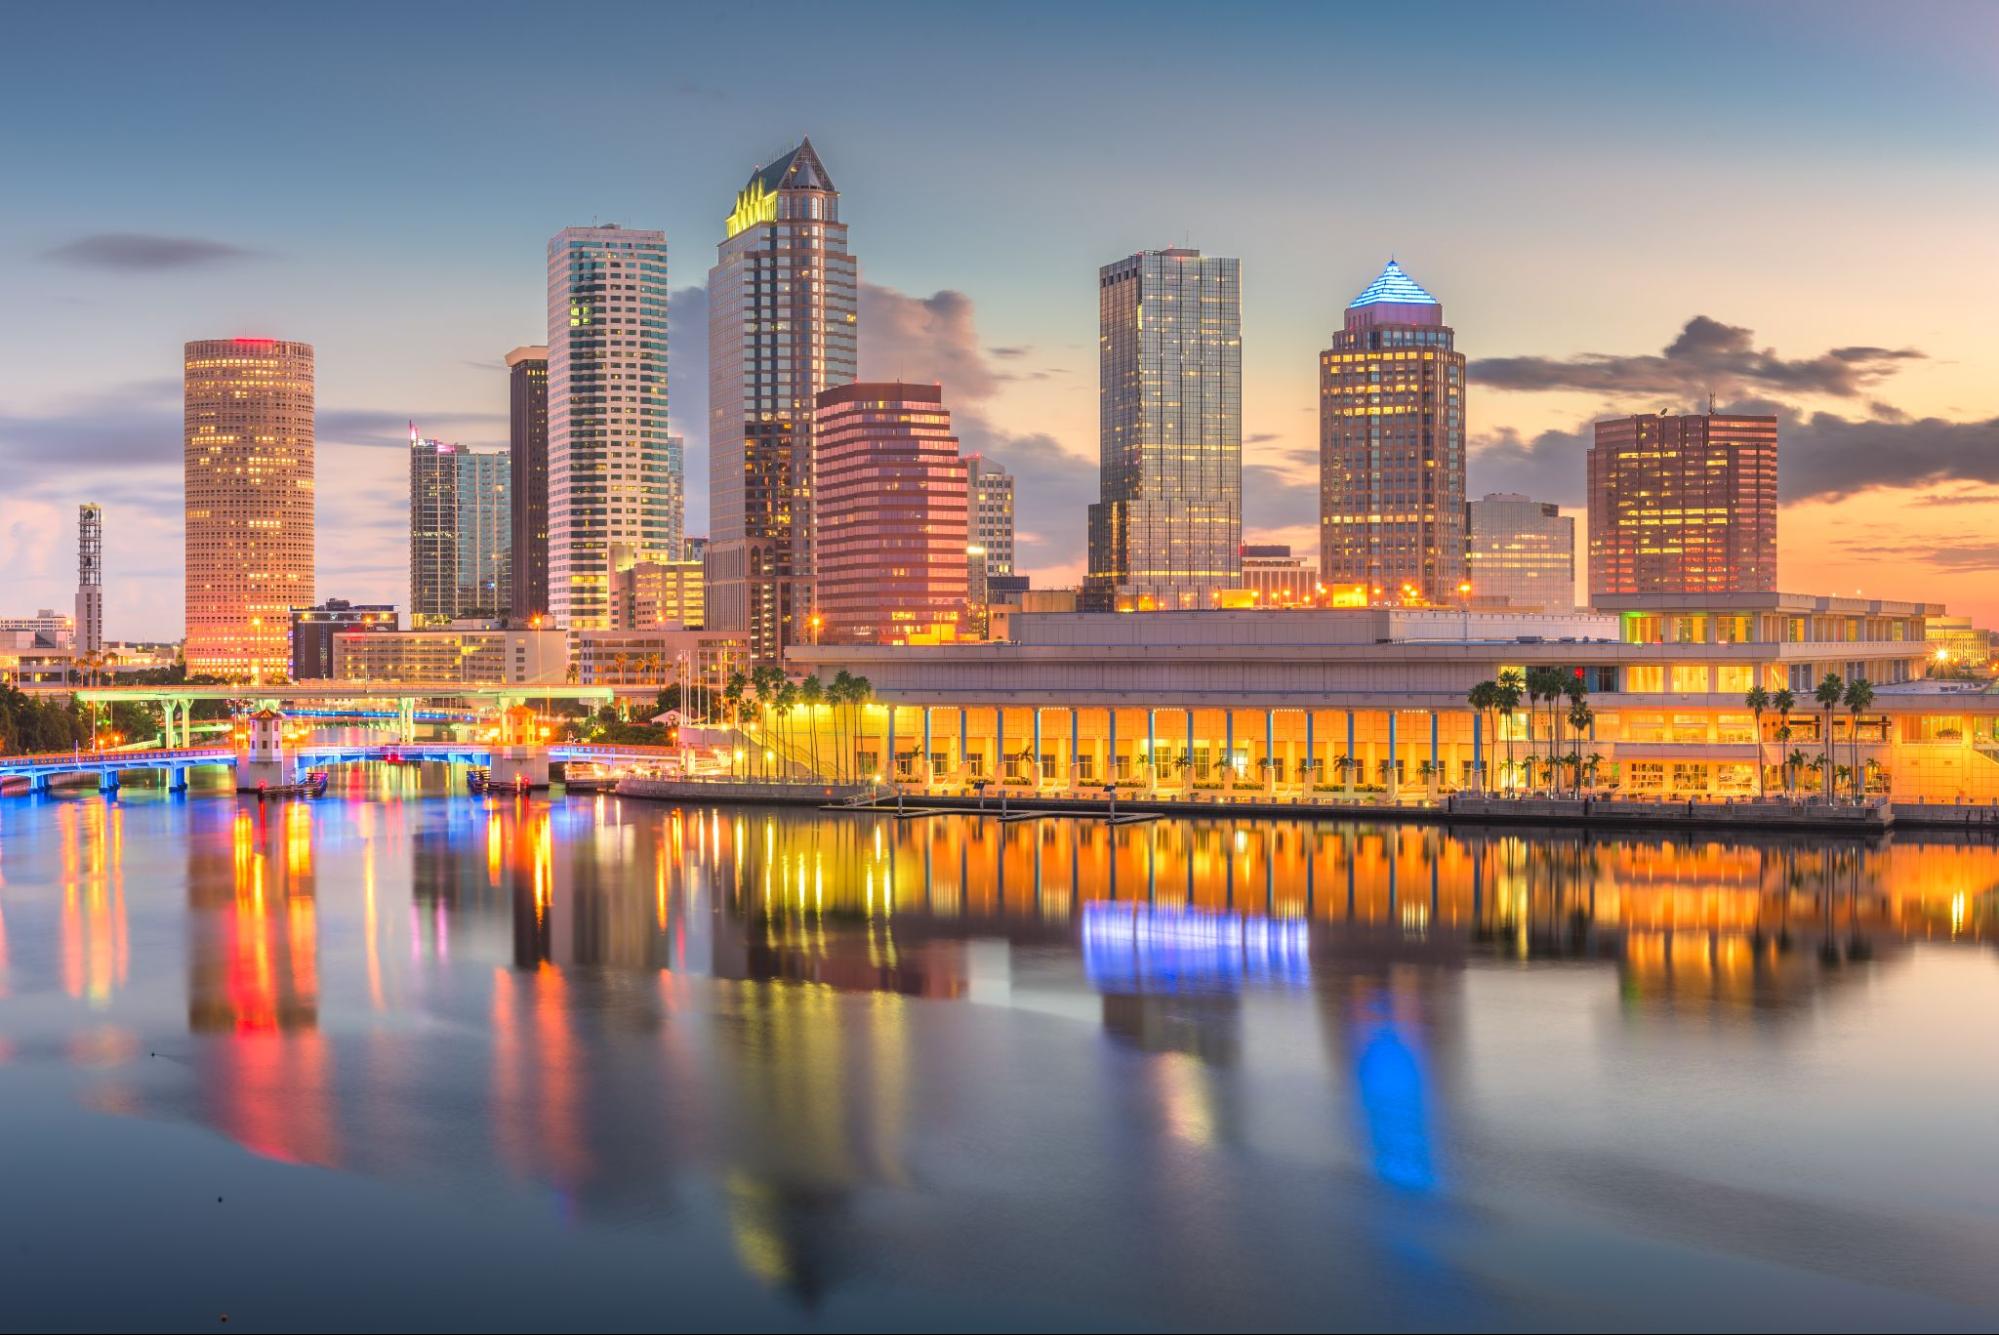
{"x": 410, "y": 1061}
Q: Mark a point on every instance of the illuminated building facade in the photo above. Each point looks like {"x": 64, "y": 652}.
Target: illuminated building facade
{"x": 613, "y": 495}
{"x": 1683, "y": 504}
{"x": 1273, "y": 577}
{"x": 782, "y": 316}
{"x": 461, "y": 531}
{"x": 654, "y": 657}
{"x": 89, "y": 578}
{"x": 989, "y": 549}
{"x": 313, "y": 629}
{"x": 1520, "y": 554}
{"x": 248, "y": 460}
{"x": 527, "y": 448}
{"x": 1167, "y": 525}
{"x": 657, "y": 593}
{"x": 1326, "y": 704}
{"x": 469, "y": 651}
{"x": 893, "y": 515}
{"x": 1392, "y": 447}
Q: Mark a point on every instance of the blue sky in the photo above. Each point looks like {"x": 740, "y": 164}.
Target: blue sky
{"x": 1573, "y": 181}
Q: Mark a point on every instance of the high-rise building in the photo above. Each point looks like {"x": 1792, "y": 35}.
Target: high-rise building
{"x": 782, "y": 313}
{"x": 89, "y": 579}
{"x": 461, "y": 531}
{"x": 989, "y": 551}
{"x": 248, "y": 458}
{"x": 891, "y": 495}
{"x": 611, "y": 487}
{"x": 1683, "y": 504}
{"x": 433, "y": 530}
{"x": 527, "y": 447}
{"x": 1520, "y": 554}
{"x": 1392, "y": 447}
{"x": 313, "y": 629}
{"x": 1167, "y": 526}
{"x": 485, "y": 532}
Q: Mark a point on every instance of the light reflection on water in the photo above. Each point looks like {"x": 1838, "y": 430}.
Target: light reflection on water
{"x": 952, "y": 1071}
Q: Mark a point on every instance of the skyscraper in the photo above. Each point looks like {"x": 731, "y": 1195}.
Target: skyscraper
{"x": 527, "y": 447}
{"x": 1520, "y": 554}
{"x": 461, "y": 531}
{"x": 1166, "y": 530}
{"x": 485, "y": 532}
{"x": 989, "y": 549}
{"x": 1683, "y": 504}
{"x": 89, "y": 579}
{"x": 248, "y": 459}
{"x": 892, "y": 506}
{"x": 610, "y": 484}
{"x": 433, "y": 530}
{"x": 1392, "y": 447}
{"x": 782, "y": 313}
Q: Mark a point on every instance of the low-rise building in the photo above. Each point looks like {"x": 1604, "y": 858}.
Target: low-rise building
{"x": 1378, "y": 699}
{"x": 485, "y": 652}
{"x": 657, "y": 593}
{"x": 313, "y": 629}
{"x": 654, "y": 658}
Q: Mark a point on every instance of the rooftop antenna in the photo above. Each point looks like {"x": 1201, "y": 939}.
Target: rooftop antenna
{"x": 1710, "y": 401}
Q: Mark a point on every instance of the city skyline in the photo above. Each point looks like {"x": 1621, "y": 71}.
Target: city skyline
{"x": 1869, "y": 349}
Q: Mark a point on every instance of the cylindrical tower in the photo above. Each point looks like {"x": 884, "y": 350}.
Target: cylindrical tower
{"x": 249, "y": 498}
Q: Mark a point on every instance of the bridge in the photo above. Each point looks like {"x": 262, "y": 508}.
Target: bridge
{"x": 312, "y": 698}
{"x": 109, "y": 767}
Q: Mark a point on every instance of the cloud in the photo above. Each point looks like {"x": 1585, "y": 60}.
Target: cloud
{"x": 925, "y": 340}
{"x": 1011, "y": 354}
{"x": 145, "y": 252}
{"x": 134, "y": 424}
{"x": 1706, "y": 356}
{"x": 1820, "y": 456}
{"x": 390, "y": 427}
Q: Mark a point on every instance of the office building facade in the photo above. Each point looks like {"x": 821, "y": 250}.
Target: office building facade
{"x": 782, "y": 317}
{"x": 1683, "y": 504}
{"x": 313, "y": 629}
{"x": 1520, "y": 554}
{"x": 657, "y": 593}
{"x": 1167, "y": 526}
{"x": 611, "y": 486}
{"x": 527, "y": 448}
{"x": 247, "y": 453}
{"x": 892, "y": 498}
{"x": 1392, "y": 447}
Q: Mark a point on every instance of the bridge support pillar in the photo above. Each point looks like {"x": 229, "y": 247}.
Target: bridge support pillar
{"x": 177, "y": 779}
{"x": 518, "y": 767}
{"x": 107, "y": 780}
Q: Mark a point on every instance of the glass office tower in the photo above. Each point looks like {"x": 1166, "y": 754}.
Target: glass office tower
{"x": 782, "y": 316}
{"x": 1166, "y": 530}
{"x": 1392, "y": 448}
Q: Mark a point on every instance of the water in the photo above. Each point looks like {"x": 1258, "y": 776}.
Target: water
{"x": 408, "y": 1061}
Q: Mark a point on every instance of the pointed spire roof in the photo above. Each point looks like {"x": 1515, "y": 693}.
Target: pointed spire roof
{"x": 1393, "y": 287}
{"x": 800, "y": 169}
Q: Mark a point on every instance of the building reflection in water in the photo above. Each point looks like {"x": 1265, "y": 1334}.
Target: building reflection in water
{"x": 613, "y": 964}
{"x": 253, "y": 981}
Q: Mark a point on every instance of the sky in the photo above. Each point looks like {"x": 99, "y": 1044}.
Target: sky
{"x": 1622, "y": 208}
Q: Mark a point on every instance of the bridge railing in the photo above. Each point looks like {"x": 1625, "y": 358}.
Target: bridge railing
{"x": 166, "y": 756}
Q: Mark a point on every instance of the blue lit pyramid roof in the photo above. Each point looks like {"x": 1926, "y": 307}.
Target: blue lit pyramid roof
{"x": 1393, "y": 287}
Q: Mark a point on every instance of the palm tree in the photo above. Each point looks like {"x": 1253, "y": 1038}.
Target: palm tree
{"x": 622, "y": 659}
{"x": 1507, "y": 697}
{"x": 787, "y": 711}
{"x": 732, "y": 704}
{"x": 811, "y": 694}
{"x": 1537, "y": 680}
{"x": 1581, "y": 716}
{"x": 836, "y": 696}
{"x": 1859, "y": 695}
{"x": 1830, "y": 692}
{"x": 1758, "y": 700}
{"x": 1784, "y": 702}
{"x": 1794, "y": 763}
{"x": 1483, "y": 698}
{"x": 858, "y": 696}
